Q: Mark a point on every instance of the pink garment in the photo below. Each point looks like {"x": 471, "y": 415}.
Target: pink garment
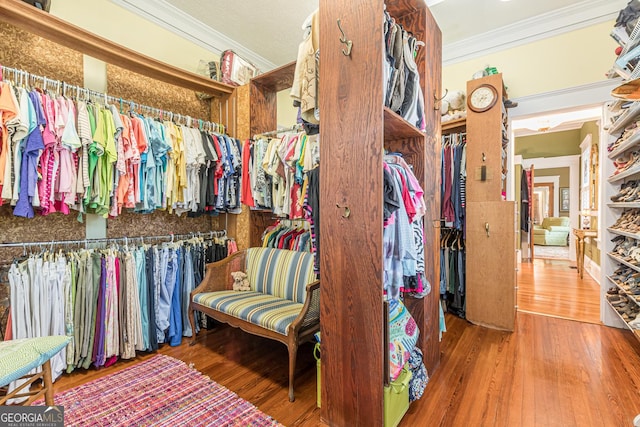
{"x": 49, "y": 161}
{"x": 232, "y": 247}
{"x": 407, "y": 200}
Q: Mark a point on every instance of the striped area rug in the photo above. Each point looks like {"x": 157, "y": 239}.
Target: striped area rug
{"x": 161, "y": 391}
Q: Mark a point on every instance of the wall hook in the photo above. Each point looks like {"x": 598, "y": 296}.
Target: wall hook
{"x": 343, "y": 39}
{"x": 436, "y": 100}
{"x": 347, "y": 211}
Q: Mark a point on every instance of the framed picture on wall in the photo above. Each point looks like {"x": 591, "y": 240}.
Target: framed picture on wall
{"x": 564, "y": 199}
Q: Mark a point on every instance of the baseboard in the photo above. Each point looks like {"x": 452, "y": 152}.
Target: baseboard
{"x": 592, "y": 268}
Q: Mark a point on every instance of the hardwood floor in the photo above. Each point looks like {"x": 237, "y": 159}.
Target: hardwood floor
{"x": 548, "y": 372}
{"x": 553, "y": 288}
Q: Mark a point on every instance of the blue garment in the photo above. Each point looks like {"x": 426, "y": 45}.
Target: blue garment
{"x": 188, "y": 285}
{"x": 167, "y": 270}
{"x": 33, "y": 144}
{"x": 175, "y": 318}
{"x": 443, "y": 272}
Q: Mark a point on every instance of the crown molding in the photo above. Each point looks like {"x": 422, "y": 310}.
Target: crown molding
{"x": 178, "y": 22}
{"x": 572, "y": 97}
{"x": 556, "y": 22}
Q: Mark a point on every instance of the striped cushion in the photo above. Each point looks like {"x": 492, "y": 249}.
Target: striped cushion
{"x": 280, "y": 272}
{"x": 18, "y": 357}
{"x": 273, "y": 313}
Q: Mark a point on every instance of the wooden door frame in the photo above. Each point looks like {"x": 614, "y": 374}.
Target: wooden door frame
{"x": 551, "y": 187}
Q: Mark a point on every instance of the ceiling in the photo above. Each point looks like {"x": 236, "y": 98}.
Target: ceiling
{"x": 272, "y": 29}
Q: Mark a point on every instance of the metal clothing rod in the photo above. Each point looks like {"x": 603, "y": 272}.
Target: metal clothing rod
{"x": 277, "y": 131}
{"x": 23, "y": 77}
{"x": 172, "y": 237}
{"x": 289, "y": 219}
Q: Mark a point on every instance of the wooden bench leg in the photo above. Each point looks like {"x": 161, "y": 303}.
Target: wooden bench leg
{"x": 192, "y": 321}
{"x": 47, "y": 383}
{"x": 293, "y": 352}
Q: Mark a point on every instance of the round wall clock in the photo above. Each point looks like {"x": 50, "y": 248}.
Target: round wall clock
{"x": 482, "y": 98}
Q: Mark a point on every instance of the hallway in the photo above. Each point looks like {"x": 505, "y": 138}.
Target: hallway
{"x": 553, "y": 288}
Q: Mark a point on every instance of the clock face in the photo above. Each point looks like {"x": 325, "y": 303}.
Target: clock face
{"x": 483, "y": 98}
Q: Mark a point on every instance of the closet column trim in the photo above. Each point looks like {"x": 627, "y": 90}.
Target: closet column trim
{"x": 36, "y": 21}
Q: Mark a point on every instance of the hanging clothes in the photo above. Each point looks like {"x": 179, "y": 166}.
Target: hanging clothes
{"x": 400, "y": 73}
{"x": 403, "y": 235}
{"x": 58, "y": 154}
{"x": 453, "y": 212}
{"x": 112, "y": 301}
{"x": 453, "y": 178}
{"x": 286, "y": 234}
{"x": 524, "y": 201}
{"x": 453, "y": 271}
{"x": 277, "y": 173}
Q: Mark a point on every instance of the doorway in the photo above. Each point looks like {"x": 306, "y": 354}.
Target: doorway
{"x": 548, "y": 282}
{"x": 542, "y": 201}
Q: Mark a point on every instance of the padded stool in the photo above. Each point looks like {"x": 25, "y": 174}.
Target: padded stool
{"x": 19, "y": 357}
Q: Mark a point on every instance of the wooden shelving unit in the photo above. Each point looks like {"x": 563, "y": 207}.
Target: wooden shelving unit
{"x": 29, "y": 18}
{"x": 454, "y": 125}
{"x": 355, "y": 129}
{"x": 491, "y": 289}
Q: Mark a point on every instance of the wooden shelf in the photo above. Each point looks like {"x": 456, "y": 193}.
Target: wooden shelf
{"x": 278, "y": 79}
{"x": 395, "y": 127}
{"x": 624, "y": 205}
{"x": 621, "y": 261}
{"x": 29, "y": 18}
{"x": 635, "y": 170}
{"x": 632, "y": 297}
{"x": 624, "y": 233}
{"x": 454, "y": 124}
{"x": 630, "y": 143}
{"x": 625, "y": 119}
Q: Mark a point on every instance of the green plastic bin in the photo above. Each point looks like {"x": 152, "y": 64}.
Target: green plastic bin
{"x": 396, "y": 399}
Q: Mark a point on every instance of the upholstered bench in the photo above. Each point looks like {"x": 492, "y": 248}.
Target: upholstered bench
{"x": 21, "y": 356}
{"x": 283, "y": 303}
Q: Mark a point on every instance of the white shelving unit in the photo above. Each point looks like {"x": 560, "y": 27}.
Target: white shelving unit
{"x": 623, "y": 233}
{"x": 629, "y": 173}
{"x": 619, "y": 286}
{"x": 619, "y": 260}
{"x": 612, "y": 185}
{"x": 625, "y": 146}
{"x": 621, "y": 319}
{"x": 624, "y": 205}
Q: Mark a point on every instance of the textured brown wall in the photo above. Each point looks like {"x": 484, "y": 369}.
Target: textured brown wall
{"x": 131, "y": 86}
{"x": 20, "y": 49}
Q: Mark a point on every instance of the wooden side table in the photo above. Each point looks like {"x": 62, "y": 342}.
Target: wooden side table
{"x": 580, "y": 236}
